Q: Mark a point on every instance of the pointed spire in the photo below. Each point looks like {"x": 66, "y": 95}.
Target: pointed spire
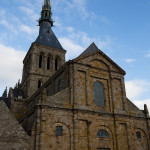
{"x": 46, "y": 14}
{"x": 5, "y": 93}
{"x": 46, "y": 35}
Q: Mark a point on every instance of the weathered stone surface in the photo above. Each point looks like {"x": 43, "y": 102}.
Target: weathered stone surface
{"x": 60, "y": 95}
{"x": 73, "y": 108}
{"x": 31, "y": 71}
{"x": 12, "y": 135}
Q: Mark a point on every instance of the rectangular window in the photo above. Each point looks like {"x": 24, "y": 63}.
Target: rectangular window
{"x": 48, "y": 63}
{"x": 40, "y": 61}
{"x": 48, "y": 93}
{"x": 59, "y": 130}
{"x": 99, "y": 94}
{"x": 138, "y": 135}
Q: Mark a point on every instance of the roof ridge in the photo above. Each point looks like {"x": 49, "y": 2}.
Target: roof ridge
{"x": 92, "y": 48}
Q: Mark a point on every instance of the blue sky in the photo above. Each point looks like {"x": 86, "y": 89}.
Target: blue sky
{"x": 120, "y": 28}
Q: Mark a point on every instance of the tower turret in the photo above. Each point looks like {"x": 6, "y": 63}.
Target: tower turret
{"x": 46, "y": 14}
{"x": 45, "y": 56}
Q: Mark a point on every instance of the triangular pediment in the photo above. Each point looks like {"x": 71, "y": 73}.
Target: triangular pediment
{"x": 95, "y": 57}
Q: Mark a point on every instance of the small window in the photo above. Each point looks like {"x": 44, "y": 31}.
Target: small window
{"x": 60, "y": 85}
{"x": 39, "y": 84}
{"x": 48, "y": 93}
{"x": 58, "y": 130}
{"x": 56, "y": 64}
{"x": 138, "y": 135}
{"x": 40, "y": 61}
{"x": 48, "y": 63}
{"x": 99, "y": 94}
{"x": 103, "y": 134}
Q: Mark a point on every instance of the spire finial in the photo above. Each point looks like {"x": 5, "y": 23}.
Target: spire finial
{"x": 46, "y": 14}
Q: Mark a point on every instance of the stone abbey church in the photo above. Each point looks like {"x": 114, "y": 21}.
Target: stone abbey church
{"x": 76, "y": 105}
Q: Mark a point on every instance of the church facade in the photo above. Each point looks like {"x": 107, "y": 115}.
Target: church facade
{"x": 76, "y": 105}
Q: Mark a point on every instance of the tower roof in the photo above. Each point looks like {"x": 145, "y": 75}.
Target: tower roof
{"x": 46, "y": 35}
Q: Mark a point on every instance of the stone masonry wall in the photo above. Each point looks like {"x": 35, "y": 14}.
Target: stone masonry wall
{"x": 74, "y": 110}
{"x": 12, "y": 135}
{"x": 31, "y": 71}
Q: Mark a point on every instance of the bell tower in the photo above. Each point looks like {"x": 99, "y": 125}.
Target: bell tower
{"x": 45, "y": 56}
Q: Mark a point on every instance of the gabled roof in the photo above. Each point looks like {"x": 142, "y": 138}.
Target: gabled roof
{"x": 92, "y": 48}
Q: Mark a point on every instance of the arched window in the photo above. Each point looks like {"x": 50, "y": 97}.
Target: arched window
{"x": 48, "y": 63}
{"x": 102, "y": 134}
{"x": 60, "y": 85}
{"x": 40, "y": 61}
{"x": 99, "y": 94}
{"x": 56, "y": 64}
{"x": 39, "y": 84}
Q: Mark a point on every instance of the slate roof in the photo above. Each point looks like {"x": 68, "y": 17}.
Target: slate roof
{"x": 5, "y": 100}
{"x": 92, "y": 48}
{"x": 47, "y": 36}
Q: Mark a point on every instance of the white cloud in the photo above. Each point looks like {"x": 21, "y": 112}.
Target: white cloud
{"x": 136, "y": 88}
{"x": 104, "y": 19}
{"x": 76, "y": 42}
{"x": 105, "y": 44}
{"x": 129, "y": 60}
{"x": 9, "y": 26}
{"x": 80, "y": 5}
{"x": 5, "y": 23}
{"x": 73, "y": 49}
{"x": 29, "y": 12}
{"x": 11, "y": 66}
{"x": 28, "y": 29}
{"x": 79, "y": 8}
{"x": 2, "y": 12}
{"x": 148, "y": 54}
{"x": 70, "y": 29}
{"x": 136, "y": 91}
{"x": 140, "y": 103}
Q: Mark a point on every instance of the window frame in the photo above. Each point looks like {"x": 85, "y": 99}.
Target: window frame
{"x": 40, "y": 60}
{"x": 102, "y": 133}
{"x": 39, "y": 84}
{"x": 59, "y": 130}
{"x": 56, "y": 64}
{"x": 138, "y": 135}
{"x": 99, "y": 93}
{"x": 60, "y": 85}
{"x": 48, "y": 63}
